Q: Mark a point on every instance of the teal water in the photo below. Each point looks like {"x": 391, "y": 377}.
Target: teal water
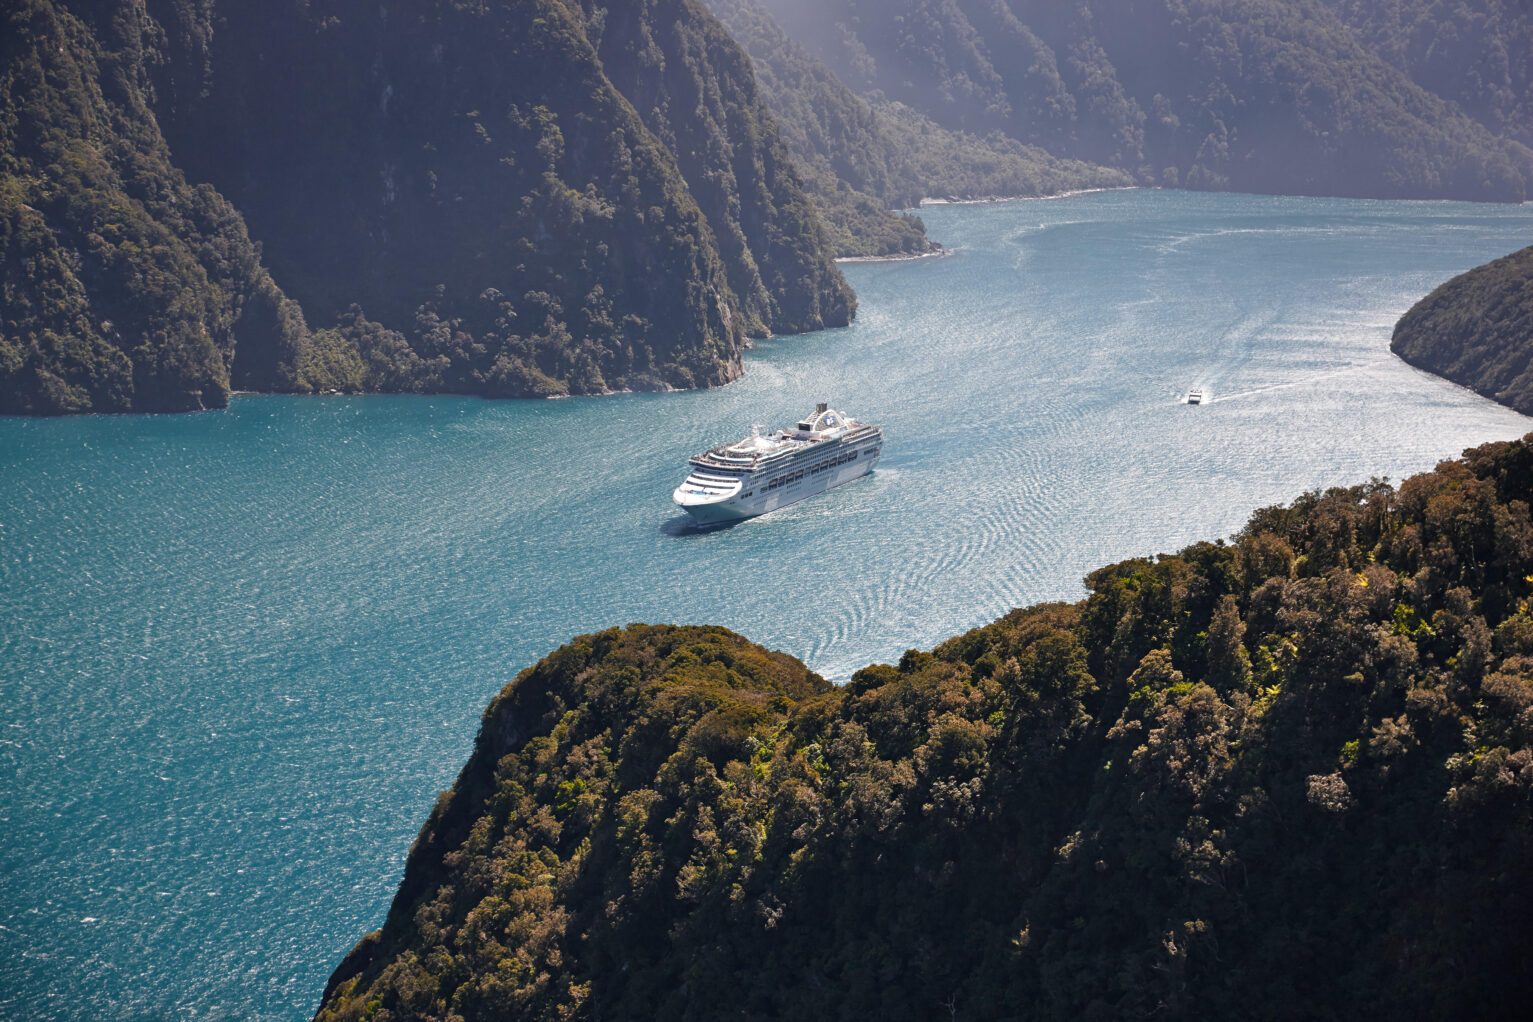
{"x": 241, "y": 651}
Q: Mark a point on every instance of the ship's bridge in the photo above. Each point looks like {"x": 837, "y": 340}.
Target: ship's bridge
{"x": 825, "y": 420}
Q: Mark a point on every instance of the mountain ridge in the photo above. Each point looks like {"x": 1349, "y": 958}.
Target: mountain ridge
{"x": 862, "y": 157}
{"x": 1279, "y": 96}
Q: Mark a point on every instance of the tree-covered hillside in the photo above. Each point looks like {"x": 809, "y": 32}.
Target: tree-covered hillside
{"x": 122, "y": 286}
{"x": 476, "y": 180}
{"x": 694, "y": 89}
{"x": 862, "y": 157}
{"x": 1259, "y": 95}
{"x": 1288, "y": 776}
{"x": 524, "y": 199}
{"x": 1477, "y": 330}
{"x": 1479, "y": 55}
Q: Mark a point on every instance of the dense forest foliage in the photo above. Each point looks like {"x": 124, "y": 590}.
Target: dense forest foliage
{"x": 862, "y": 157}
{"x": 1479, "y": 55}
{"x": 1260, "y": 95}
{"x": 694, "y": 89}
{"x": 122, "y": 286}
{"x": 1477, "y": 330}
{"x": 1289, "y": 775}
{"x": 522, "y": 199}
{"x": 494, "y": 184}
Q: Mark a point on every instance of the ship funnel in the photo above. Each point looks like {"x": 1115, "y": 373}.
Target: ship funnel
{"x": 822, "y": 406}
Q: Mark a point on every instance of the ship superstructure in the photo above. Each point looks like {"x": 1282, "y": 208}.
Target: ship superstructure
{"x": 763, "y": 472}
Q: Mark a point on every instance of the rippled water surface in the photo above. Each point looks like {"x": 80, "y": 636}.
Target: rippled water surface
{"x": 241, "y": 652}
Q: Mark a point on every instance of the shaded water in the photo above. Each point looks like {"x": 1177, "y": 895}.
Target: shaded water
{"x": 241, "y": 651}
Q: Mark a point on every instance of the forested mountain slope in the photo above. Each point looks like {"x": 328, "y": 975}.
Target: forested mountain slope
{"x": 122, "y": 286}
{"x": 1479, "y": 55}
{"x": 1286, "y": 776}
{"x": 460, "y": 197}
{"x": 476, "y": 179}
{"x": 861, "y": 157}
{"x": 1258, "y": 95}
{"x": 694, "y": 89}
{"x": 1477, "y": 330}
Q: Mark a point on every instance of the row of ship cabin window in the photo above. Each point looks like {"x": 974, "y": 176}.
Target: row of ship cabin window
{"x": 822, "y": 466}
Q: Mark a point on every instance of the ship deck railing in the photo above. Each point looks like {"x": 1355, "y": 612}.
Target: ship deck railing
{"x": 713, "y": 456}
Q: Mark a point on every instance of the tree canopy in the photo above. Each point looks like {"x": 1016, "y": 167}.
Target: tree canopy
{"x": 1287, "y": 775}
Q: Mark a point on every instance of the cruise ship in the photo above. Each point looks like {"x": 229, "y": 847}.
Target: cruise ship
{"x": 762, "y": 473}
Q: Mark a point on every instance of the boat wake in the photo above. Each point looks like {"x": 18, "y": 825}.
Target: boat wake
{"x": 685, "y": 525}
{"x": 1309, "y": 381}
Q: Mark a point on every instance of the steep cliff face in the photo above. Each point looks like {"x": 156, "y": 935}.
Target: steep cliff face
{"x": 457, "y": 195}
{"x": 1477, "y": 330}
{"x": 470, "y": 178}
{"x": 1292, "y": 771}
{"x": 1260, "y": 95}
{"x": 693, "y": 87}
{"x": 122, "y": 286}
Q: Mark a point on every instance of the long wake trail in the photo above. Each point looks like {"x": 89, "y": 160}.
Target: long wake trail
{"x": 1278, "y": 386}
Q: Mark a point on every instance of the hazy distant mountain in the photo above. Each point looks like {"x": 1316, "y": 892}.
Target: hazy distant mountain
{"x": 1479, "y": 55}
{"x": 1289, "y": 776}
{"x": 1477, "y": 330}
{"x": 1259, "y": 95}
{"x": 861, "y": 157}
{"x": 509, "y": 199}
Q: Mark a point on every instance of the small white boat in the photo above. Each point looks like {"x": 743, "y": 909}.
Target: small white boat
{"x": 1197, "y": 396}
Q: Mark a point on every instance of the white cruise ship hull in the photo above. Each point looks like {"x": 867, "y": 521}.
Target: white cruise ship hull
{"x": 763, "y": 473}
{"x": 711, "y": 504}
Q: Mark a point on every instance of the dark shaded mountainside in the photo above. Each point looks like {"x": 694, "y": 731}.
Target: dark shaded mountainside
{"x": 121, "y": 284}
{"x": 1286, "y": 776}
{"x": 1327, "y": 97}
{"x": 570, "y": 197}
{"x": 1477, "y": 330}
{"x": 520, "y": 199}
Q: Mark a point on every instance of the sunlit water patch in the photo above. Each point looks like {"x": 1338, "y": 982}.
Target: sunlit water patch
{"x": 241, "y": 652}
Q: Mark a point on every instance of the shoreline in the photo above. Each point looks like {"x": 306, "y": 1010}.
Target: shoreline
{"x": 988, "y": 199}
{"x": 938, "y": 253}
{"x": 941, "y": 250}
